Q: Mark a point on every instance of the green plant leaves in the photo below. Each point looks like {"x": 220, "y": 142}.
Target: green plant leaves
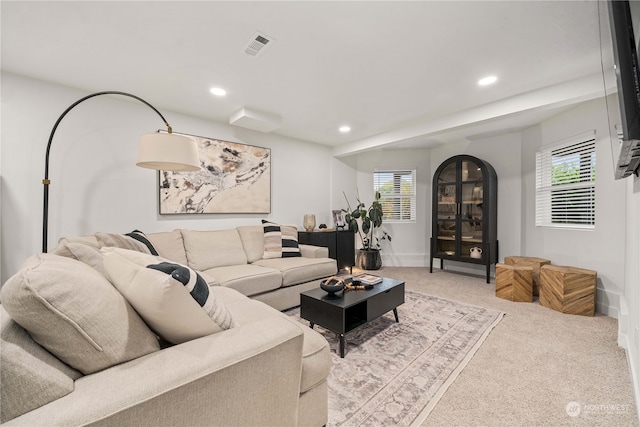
{"x": 364, "y": 222}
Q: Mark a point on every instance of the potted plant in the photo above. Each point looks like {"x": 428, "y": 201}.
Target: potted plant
{"x": 364, "y": 222}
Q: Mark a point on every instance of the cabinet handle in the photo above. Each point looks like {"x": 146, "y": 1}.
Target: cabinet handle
{"x": 459, "y": 208}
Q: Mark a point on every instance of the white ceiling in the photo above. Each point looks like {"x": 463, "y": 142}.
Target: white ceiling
{"x": 401, "y": 74}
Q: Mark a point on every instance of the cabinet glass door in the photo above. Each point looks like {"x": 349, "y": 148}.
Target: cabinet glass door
{"x": 447, "y": 210}
{"x": 471, "y": 207}
{"x": 459, "y": 216}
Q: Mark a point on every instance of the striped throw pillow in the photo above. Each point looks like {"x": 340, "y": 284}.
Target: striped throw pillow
{"x": 280, "y": 241}
{"x": 122, "y": 241}
{"x": 142, "y": 238}
{"x": 199, "y": 290}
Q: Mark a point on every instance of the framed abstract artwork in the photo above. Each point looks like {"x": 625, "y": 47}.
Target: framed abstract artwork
{"x": 234, "y": 178}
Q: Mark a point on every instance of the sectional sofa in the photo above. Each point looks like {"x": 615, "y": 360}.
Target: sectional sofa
{"x": 172, "y": 328}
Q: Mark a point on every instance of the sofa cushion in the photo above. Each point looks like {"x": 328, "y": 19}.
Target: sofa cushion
{"x": 162, "y": 301}
{"x": 280, "y": 241}
{"x": 300, "y": 270}
{"x": 252, "y": 237}
{"x": 316, "y": 359}
{"x": 169, "y": 245}
{"x": 87, "y": 254}
{"x": 248, "y": 279}
{"x": 30, "y": 376}
{"x": 209, "y": 249}
{"x": 113, "y": 240}
{"x": 90, "y": 240}
{"x": 74, "y": 312}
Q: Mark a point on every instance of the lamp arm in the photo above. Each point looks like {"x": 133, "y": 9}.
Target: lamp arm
{"x": 46, "y": 181}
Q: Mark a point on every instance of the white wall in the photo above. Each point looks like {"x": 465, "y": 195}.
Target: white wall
{"x": 95, "y": 185}
{"x": 410, "y": 241}
{"x": 629, "y": 322}
{"x": 600, "y": 249}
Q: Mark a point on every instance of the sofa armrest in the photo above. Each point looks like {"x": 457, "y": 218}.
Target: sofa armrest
{"x": 248, "y": 375}
{"x": 310, "y": 251}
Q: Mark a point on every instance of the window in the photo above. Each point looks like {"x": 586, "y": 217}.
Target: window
{"x": 397, "y": 194}
{"x": 566, "y": 184}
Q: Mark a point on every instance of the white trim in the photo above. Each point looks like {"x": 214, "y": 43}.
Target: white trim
{"x": 590, "y": 134}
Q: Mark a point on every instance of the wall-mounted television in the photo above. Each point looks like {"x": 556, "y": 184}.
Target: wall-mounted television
{"x": 624, "y": 20}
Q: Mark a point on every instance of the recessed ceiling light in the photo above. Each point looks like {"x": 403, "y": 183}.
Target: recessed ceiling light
{"x": 345, "y": 129}
{"x": 487, "y": 80}
{"x": 218, "y": 91}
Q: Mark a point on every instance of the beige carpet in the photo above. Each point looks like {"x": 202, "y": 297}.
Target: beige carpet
{"x": 395, "y": 373}
{"x": 535, "y": 367}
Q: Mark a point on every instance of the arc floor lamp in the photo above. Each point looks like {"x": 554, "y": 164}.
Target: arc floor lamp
{"x": 156, "y": 151}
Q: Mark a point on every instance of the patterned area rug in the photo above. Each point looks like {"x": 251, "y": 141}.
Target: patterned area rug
{"x": 395, "y": 373}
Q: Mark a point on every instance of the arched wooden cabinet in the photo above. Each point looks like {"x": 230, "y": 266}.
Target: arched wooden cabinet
{"x": 465, "y": 207}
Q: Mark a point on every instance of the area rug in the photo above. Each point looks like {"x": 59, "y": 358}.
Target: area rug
{"x": 395, "y": 373}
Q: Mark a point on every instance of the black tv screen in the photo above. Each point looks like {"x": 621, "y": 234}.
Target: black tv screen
{"x": 625, "y": 31}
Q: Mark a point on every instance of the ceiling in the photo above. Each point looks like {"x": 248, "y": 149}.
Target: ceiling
{"x": 401, "y": 74}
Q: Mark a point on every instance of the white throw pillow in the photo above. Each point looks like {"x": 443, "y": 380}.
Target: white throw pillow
{"x": 163, "y": 301}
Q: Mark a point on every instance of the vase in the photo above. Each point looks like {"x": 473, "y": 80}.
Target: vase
{"x": 368, "y": 259}
{"x": 309, "y": 222}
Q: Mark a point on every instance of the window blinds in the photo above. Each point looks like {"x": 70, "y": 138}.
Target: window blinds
{"x": 397, "y": 194}
{"x": 565, "y": 184}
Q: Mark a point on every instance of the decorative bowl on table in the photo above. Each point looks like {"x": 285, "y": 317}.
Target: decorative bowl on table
{"x": 332, "y": 284}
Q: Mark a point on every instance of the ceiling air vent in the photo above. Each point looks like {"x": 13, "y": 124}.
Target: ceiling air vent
{"x": 258, "y": 43}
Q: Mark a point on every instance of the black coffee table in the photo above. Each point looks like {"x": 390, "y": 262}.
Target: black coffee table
{"x": 347, "y": 310}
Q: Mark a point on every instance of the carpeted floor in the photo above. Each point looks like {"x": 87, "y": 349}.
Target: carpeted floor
{"x": 537, "y": 367}
{"x": 394, "y": 373}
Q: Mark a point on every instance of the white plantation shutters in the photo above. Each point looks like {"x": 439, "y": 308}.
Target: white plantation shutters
{"x": 397, "y": 194}
{"x": 566, "y": 184}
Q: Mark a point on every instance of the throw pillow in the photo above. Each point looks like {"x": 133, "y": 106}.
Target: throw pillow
{"x": 163, "y": 301}
{"x": 30, "y": 375}
{"x": 74, "y": 312}
{"x": 86, "y": 254}
{"x": 112, "y": 240}
{"x": 142, "y": 238}
{"x": 280, "y": 241}
{"x": 199, "y": 291}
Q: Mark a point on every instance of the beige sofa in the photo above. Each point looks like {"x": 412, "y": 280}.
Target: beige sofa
{"x": 76, "y": 352}
{"x": 234, "y": 258}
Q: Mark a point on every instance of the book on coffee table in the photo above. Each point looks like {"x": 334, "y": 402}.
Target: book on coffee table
{"x": 368, "y": 279}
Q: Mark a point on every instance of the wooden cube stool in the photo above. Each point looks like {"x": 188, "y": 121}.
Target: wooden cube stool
{"x": 570, "y": 290}
{"x": 533, "y": 262}
{"x": 514, "y": 282}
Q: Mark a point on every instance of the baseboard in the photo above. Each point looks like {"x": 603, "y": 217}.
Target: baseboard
{"x": 625, "y": 342}
{"x": 623, "y": 322}
{"x": 405, "y": 260}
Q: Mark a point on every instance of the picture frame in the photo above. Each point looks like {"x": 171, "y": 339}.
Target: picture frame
{"x": 234, "y": 178}
{"x": 338, "y": 219}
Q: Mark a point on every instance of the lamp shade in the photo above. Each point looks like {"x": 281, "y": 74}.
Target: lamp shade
{"x": 167, "y": 151}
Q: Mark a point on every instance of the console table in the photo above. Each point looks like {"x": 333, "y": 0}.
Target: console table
{"x": 341, "y": 245}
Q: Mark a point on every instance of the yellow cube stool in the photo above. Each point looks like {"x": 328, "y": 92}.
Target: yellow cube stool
{"x": 533, "y": 262}
{"x": 514, "y": 282}
{"x": 570, "y": 290}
